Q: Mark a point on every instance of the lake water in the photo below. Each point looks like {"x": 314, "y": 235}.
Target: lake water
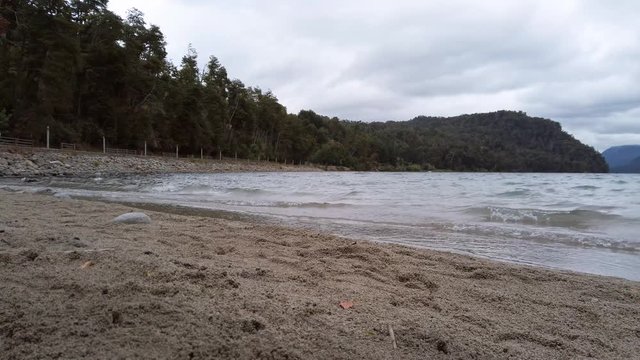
{"x": 582, "y": 222}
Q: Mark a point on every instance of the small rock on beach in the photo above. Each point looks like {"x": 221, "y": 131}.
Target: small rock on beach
{"x": 132, "y": 218}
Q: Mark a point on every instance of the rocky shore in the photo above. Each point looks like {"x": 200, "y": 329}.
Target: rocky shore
{"x": 20, "y": 162}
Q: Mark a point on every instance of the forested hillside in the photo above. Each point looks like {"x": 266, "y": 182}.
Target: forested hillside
{"x": 87, "y": 73}
{"x": 500, "y": 141}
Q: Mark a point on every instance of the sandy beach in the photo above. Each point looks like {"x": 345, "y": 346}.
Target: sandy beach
{"x": 197, "y": 286}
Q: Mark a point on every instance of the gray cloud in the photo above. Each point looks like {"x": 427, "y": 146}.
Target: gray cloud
{"x": 574, "y": 61}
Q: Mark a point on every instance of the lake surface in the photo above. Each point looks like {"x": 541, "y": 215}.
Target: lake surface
{"x": 582, "y": 222}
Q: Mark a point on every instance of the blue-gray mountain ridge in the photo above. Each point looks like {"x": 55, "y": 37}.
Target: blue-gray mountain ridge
{"x": 623, "y": 159}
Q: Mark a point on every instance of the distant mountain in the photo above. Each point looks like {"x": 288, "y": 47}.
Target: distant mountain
{"x": 632, "y": 167}
{"x": 623, "y": 159}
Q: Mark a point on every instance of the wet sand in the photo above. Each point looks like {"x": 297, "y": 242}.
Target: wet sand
{"x": 74, "y": 285}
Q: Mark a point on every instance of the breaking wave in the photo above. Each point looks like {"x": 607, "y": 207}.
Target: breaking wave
{"x": 577, "y": 218}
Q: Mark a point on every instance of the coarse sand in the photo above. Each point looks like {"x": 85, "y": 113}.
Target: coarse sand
{"x": 75, "y": 285}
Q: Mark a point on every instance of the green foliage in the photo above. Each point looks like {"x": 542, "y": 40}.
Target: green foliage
{"x": 77, "y": 67}
{"x": 332, "y": 153}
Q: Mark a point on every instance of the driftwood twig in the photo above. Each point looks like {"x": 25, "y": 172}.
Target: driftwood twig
{"x": 393, "y": 337}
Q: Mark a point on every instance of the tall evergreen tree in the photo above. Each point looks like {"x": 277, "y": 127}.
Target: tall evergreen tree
{"x": 215, "y": 103}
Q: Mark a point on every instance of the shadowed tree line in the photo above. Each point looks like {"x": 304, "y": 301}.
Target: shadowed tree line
{"x": 87, "y": 73}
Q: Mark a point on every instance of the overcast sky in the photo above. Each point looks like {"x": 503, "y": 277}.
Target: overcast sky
{"x": 574, "y": 61}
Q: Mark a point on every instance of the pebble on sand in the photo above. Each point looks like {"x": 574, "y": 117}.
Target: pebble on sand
{"x": 132, "y": 218}
{"x": 62, "y": 195}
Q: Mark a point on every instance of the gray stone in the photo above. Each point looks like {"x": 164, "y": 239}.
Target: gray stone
{"x": 63, "y": 196}
{"x": 132, "y": 218}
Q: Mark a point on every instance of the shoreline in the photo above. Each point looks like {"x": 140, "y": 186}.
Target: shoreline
{"x": 41, "y": 186}
{"x": 266, "y": 220}
{"x": 76, "y": 285}
{"x": 36, "y": 163}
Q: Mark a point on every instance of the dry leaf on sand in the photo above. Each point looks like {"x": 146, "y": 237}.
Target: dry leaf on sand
{"x": 346, "y": 304}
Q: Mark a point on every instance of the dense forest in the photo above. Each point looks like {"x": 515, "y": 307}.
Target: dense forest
{"x": 85, "y": 72}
